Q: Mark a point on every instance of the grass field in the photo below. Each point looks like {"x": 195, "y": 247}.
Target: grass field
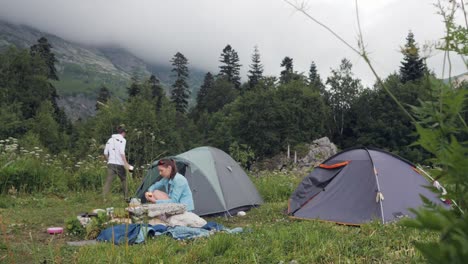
{"x": 269, "y": 236}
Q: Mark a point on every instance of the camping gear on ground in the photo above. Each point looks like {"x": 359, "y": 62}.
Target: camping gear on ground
{"x": 360, "y": 185}
{"x": 55, "y": 230}
{"x": 218, "y": 184}
{"x": 138, "y": 233}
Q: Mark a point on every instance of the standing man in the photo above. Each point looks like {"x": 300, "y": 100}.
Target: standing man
{"x": 116, "y": 162}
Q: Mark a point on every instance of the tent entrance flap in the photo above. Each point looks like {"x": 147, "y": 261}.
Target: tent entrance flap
{"x": 311, "y": 186}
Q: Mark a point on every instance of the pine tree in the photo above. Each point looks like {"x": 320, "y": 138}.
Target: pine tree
{"x": 288, "y": 72}
{"x": 314, "y": 79}
{"x": 231, "y": 67}
{"x": 103, "y": 97}
{"x": 208, "y": 84}
{"x": 157, "y": 91}
{"x": 135, "y": 87}
{"x": 180, "y": 92}
{"x": 44, "y": 50}
{"x": 256, "y": 69}
{"x": 413, "y": 67}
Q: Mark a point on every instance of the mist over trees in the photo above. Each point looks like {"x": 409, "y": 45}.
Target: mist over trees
{"x": 263, "y": 115}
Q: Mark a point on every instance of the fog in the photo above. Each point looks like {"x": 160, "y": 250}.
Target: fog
{"x": 156, "y": 29}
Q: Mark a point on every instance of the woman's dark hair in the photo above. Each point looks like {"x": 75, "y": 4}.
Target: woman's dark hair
{"x": 169, "y": 163}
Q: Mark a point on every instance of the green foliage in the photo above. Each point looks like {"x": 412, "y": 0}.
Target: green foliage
{"x": 267, "y": 120}
{"x": 230, "y": 69}
{"x": 23, "y": 79}
{"x": 242, "y": 154}
{"x": 46, "y": 128}
{"x": 344, "y": 90}
{"x": 96, "y": 225}
{"x": 180, "y": 92}
{"x": 276, "y": 186}
{"x": 256, "y": 69}
{"x": 103, "y": 97}
{"x": 374, "y": 119}
{"x": 315, "y": 81}
{"x": 287, "y": 73}
{"x": 413, "y": 67}
{"x": 217, "y": 94}
{"x": 453, "y": 230}
{"x": 11, "y": 119}
{"x": 74, "y": 228}
{"x": 43, "y": 49}
{"x": 443, "y": 131}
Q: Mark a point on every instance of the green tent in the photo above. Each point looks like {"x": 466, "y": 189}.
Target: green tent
{"x": 219, "y": 185}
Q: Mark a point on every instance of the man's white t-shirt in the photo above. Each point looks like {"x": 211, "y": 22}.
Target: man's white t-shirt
{"x": 115, "y": 148}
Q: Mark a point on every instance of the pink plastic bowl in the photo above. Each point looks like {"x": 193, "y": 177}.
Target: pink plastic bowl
{"x": 54, "y": 230}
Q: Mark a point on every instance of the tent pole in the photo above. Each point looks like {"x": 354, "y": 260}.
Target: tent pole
{"x": 379, "y": 194}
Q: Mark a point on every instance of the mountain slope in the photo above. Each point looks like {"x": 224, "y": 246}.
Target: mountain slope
{"x": 83, "y": 69}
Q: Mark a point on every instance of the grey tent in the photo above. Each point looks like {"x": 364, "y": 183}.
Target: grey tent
{"x": 360, "y": 185}
{"x": 219, "y": 185}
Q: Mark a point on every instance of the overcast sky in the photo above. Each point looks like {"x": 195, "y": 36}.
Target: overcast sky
{"x": 156, "y": 29}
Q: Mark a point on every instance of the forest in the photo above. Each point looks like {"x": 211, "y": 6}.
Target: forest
{"x": 252, "y": 120}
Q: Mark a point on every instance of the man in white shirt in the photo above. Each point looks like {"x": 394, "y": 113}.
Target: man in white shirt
{"x": 116, "y": 162}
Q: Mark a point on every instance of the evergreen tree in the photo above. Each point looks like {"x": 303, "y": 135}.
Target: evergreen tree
{"x": 287, "y": 74}
{"x": 44, "y": 50}
{"x": 256, "y": 69}
{"x": 135, "y": 87}
{"x": 219, "y": 95}
{"x": 103, "y": 97}
{"x": 23, "y": 79}
{"x": 314, "y": 79}
{"x": 202, "y": 96}
{"x": 231, "y": 67}
{"x": 157, "y": 90}
{"x": 413, "y": 67}
{"x": 180, "y": 92}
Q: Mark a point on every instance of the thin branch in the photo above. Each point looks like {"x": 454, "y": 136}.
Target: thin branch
{"x": 360, "y": 37}
{"x": 302, "y": 10}
{"x": 361, "y": 53}
{"x": 464, "y": 13}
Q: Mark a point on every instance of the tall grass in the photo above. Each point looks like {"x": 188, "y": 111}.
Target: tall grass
{"x": 30, "y": 169}
{"x": 276, "y": 186}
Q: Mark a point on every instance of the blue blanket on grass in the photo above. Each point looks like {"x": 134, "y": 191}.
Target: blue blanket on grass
{"x": 137, "y": 233}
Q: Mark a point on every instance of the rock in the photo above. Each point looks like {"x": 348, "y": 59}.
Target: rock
{"x": 320, "y": 150}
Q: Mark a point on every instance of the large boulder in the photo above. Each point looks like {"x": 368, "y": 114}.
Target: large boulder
{"x": 320, "y": 150}
{"x": 316, "y": 152}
